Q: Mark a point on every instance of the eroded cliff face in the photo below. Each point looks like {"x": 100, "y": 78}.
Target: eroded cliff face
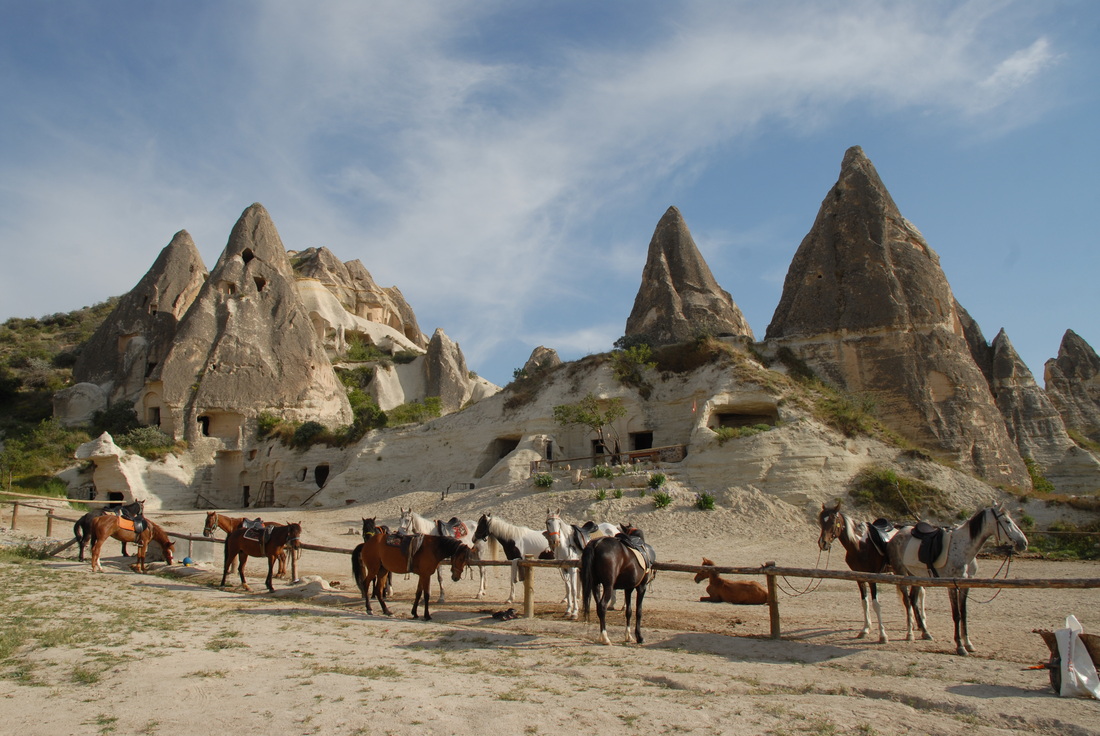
{"x": 679, "y": 297}
{"x": 246, "y": 346}
{"x": 866, "y": 304}
{"x": 136, "y": 336}
{"x": 1073, "y": 385}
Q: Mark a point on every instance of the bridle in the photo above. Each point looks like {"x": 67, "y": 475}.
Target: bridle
{"x": 834, "y": 531}
{"x": 998, "y": 515}
{"x": 211, "y": 525}
{"x": 554, "y": 537}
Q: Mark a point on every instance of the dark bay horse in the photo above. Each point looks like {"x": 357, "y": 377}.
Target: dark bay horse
{"x": 861, "y": 555}
{"x": 107, "y": 526}
{"x": 228, "y": 524}
{"x": 623, "y": 562}
{"x": 957, "y": 560}
{"x": 82, "y": 527}
{"x": 382, "y": 554}
{"x": 240, "y": 545}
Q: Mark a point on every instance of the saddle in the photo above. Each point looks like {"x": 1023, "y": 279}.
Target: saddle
{"x": 455, "y": 528}
{"x": 879, "y": 532}
{"x": 256, "y": 530}
{"x": 136, "y": 524}
{"x": 580, "y": 536}
{"x": 932, "y": 542}
{"x": 635, "y": 542}
{"x": 409, "y": 544}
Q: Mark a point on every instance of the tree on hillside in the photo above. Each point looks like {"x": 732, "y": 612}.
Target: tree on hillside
{"x": 598, "y": 415}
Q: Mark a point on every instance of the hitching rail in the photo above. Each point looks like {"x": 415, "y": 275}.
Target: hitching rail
{"x": 769, "y": 570}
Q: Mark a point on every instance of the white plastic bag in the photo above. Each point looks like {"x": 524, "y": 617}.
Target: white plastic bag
{"x": 1079, "y": 678}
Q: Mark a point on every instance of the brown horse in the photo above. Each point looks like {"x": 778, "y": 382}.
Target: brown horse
{"x": 383, "y": 553}
{"x": 107, "y": 526}
{"x": 740, "y": 592}
{"x": 82, "y": 527}
{"x": 228, "y": 524}
{"x": 275, "y": 540}
{"x": 611, "y": 563}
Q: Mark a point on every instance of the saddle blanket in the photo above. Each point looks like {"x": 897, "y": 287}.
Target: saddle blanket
{"x": 137, "y": 526}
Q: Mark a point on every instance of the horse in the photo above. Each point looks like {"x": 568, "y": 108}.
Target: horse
{"x": 275, "y": 539}
{"x": 861, "y": 555}
{"x": 463, "y": 531}
{"x": 82, "y": 527}
{"x": 227, "y": 524}
{"x": 623, "y": 562}
{"x": 518, "y": 542}
{"x": 740, "y": 592}
{"x": 567, "y": 541}
{"x": 377, "y": 558}
{"x": 109, "y": 525}
{"x": 960, "y": 547}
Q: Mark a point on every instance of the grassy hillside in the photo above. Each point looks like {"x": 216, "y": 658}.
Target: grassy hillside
{"x": 36, "y": 360}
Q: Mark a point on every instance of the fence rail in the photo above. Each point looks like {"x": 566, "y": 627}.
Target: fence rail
{"x": 769, "y": 570}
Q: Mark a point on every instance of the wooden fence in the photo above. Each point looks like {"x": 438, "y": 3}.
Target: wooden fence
{"x": 769, "y": 570}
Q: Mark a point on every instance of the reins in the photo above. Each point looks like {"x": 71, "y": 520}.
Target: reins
{"x": 814, "y": 583}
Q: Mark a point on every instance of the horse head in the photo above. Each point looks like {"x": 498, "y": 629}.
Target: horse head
{"x": 482, "y": 531}
{"x": 405, "y": 524}
{"x": 169, "y": 549}
{"x": 369, "y": 528}
{"x": 553, "y": 531}
{"x": 831, "y": 523}
{"x": 211, "y": 524}
{"x": 294, "y": 535}
{"x": 1006, "y": 524}
{"x": 703, "y": 574}
{"x": 458, "y": 562}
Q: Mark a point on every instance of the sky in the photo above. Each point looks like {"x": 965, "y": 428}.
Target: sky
{"x": 505, "y": 164}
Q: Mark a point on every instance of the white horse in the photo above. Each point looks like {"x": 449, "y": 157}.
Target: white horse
{"x": 518, "y": 542}
{"x": 960, "y": 547}
{"x": 413, "y": 523}
{"x": 568, "y": 542}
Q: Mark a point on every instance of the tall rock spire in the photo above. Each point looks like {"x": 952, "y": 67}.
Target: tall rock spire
{"x": 137, "y": 334}
{"x": 679, "y": 296}
{"x": 866, "y": 304}
{"x": 1073, "y": 385}
{"x": 246, "y": 345}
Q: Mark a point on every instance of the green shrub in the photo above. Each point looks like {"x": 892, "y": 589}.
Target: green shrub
{"x": 661, "y": 499}
{"x": 618, "y": 493}
{"x": 1038, "y": 480}
{"x": 601, "y": 471}
{"x": 544, "y": 480}
{"x": 656, "y": 480}
{"x": 266, "y": 424}
{"x": 406, "y": 356}
{"x": 307, "y": 434}
{"x": 149, "y": 442}
{"x": 704, "y": 502}
{"x": 601, "y": 495}
{"x": 1069, "y": 542}
{"x": 725, "y": 434}
{"x": 116, "y": 420}
{"x": 630, "y": 364}
{"x": 850, "y": 415}
{"x": 897, "y": 494}
{"x": 415, "y": 412}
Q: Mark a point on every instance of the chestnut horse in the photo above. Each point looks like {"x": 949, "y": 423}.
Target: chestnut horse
{"x": 740, "y": 592}
{"x": 107, "y": 526}
{"x": 227, "y": 524}
{"x": 382, "y": 554}
{"x": 82, "y": 527}
{"x": 276, "y": 539}
{"x": 861, "y": 554}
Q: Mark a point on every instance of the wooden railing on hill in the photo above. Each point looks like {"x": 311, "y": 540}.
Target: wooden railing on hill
{"x": 666, "y": 454}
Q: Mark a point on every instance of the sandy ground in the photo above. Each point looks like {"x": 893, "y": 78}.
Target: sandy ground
{"x": 168, "y": 653}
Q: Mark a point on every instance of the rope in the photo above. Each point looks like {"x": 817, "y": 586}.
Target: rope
{"x": 1006, "y": 566}
{"x": 813, "y": 585}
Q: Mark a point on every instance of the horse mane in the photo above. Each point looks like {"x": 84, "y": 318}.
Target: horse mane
{"x": 449, "y": 545}
{"x": 502, "y": 528}
{"x": 977, "y": 522}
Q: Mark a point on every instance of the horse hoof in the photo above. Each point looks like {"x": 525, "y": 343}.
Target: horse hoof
{"x": 970, "y": 648}
{"x": 862, "y": 635}
{"x": 961, "y": 651}
{"x": 926, "y": 636}
{"x": 884, "y": 639}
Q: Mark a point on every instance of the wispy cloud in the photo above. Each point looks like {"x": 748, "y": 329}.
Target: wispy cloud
{"x": 470, "y": 175}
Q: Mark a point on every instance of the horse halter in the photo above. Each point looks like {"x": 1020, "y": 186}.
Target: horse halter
{"x": 553, "y": 537}
{"x": 834, "y": 531}
{"x": 998, "y": 515}
{"x": 211, "y": 525}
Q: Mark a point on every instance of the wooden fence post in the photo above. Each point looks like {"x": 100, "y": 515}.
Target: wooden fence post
{"x": 14, "y": 514}
{"x": 49, "y": 523}
{"x": 773, "y": 601}
{"x": 529, "y": 592}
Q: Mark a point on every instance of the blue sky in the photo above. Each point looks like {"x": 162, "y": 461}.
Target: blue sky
{"x": 505, "y": 164}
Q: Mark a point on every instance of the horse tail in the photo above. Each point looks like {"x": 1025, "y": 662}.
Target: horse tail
{"x": 357, "y": 571}
{"x": 78, "y": 531}
{"x": 587, "y": 583}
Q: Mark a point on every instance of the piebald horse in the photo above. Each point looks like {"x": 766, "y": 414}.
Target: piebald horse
{"x": 413, "y": 523}
{"x": 960, "y": 547}
{"x": 518, "y": 542}
{"x": 861, "y": 554}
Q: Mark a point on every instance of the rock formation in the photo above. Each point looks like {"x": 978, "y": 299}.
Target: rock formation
{"x": 245, "y": 346}
{"x": 542, "y": 358}
{"x": 357, "y": 292}
{"x": 1073, "y": 385}
{"x": 866, "y": 304}
{"x": 1035, "y": 425}
{"x": 679, "y": 297}
{"x": 136, "y": 336}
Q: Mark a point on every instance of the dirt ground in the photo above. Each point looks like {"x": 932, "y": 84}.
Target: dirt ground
{"x": 169, "y": 653}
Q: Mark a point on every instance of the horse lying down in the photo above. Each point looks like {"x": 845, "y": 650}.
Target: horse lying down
{"x": 741, "y": 592}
